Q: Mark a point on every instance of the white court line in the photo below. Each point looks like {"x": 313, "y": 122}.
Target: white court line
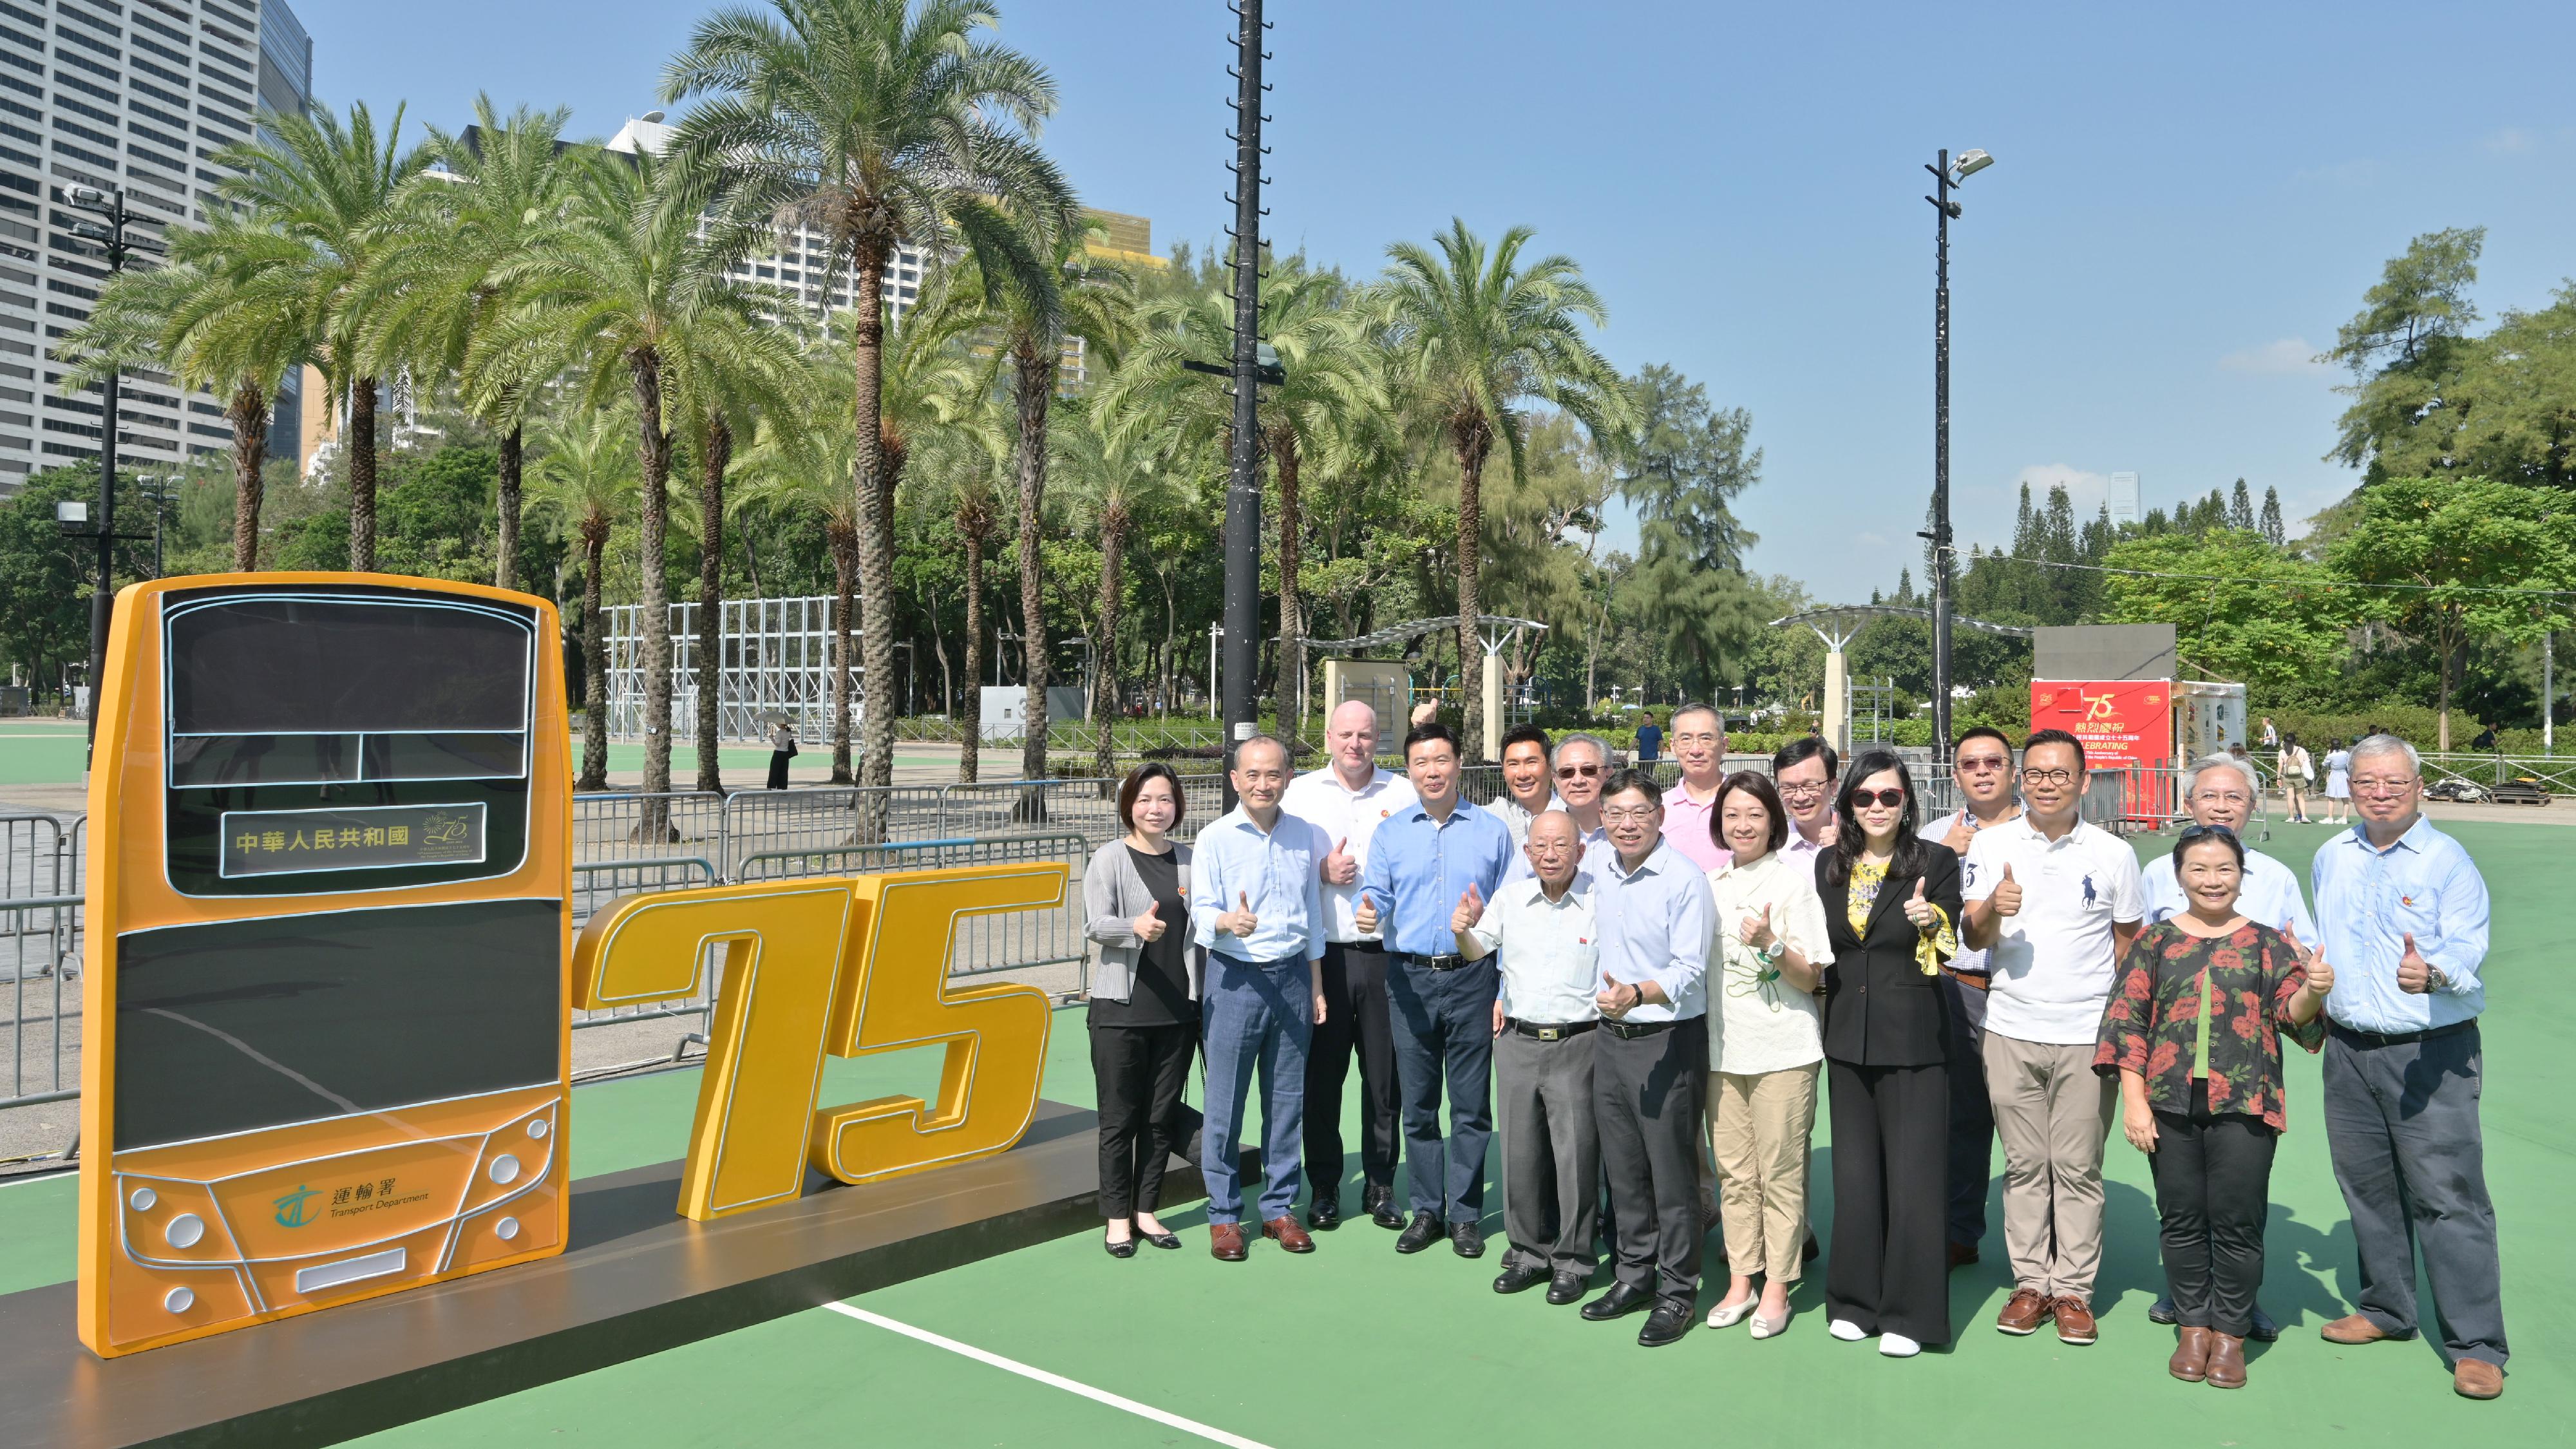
{"x": 1025, "y": 1371}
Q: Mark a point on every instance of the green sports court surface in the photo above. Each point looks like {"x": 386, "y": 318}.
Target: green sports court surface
{"x": 1061, "y": 1345}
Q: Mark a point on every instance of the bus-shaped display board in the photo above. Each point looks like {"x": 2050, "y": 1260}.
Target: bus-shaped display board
{"x": 329, "y": 877}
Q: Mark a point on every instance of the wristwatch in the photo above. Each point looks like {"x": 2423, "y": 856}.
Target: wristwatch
{"x": 1773, "y": 952}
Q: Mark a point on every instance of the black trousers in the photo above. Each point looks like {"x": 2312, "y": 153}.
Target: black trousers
{"x": 1355, "y": 1019}
{"x": 1889, "y": 1271}
{"x": 1140, "y": 1071}
{"x": 1647, "y": 1093}
{"x": 1972, "y": 1114}
{"x": 2213, "y": 1189}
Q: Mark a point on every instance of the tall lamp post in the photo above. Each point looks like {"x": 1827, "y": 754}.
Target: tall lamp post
{"x": 1243, "y": 484}
{"x": 1946, "y": 175}
{"x": 106, "y": 237}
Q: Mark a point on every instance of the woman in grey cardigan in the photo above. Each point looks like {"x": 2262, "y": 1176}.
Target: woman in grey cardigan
{"x": 1144, "y": 1003}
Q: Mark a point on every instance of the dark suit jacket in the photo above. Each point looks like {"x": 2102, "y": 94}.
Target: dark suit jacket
{"x": 1880, "y": 1009}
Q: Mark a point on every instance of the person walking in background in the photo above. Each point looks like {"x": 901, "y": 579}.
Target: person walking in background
{"x": 1891, "y": 906}
{"x": 2271, "y": 736}
{"x": 1804, "y": 770}
{"x": 782, "y": 748}
{"x": 1256, "y": 908}
{"x": 2405, "y": 919}
{"x": 1528, "y": 792}
{"x": 2054, "y": 901}
{"x": 1144, "y": 1014}
{"x": 1650, "y": 1068}
{"x": 1765, "y": 1046}
{"x": 2297, "y": 773}
{"x": 1981, "y": 763}
{"x": 1699, "y": 746}
{"x": 2193, "y": 1038}
{"x": 1347, "y": 801}
{"x": 1650, "y": 741}
{"x": 2338, "y": 784}
{"x": 1544, "y": 935}
{"x": 1437, "y": 857}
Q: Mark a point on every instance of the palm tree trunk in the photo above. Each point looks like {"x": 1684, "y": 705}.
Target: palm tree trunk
{"x": 1284, "y": 462}
{"x": 1104, "y": 674}
{"x": 1033, "y": 381}
{"x": 844, "y": 543}
{"x": 249, "y": 417}
{"x": 1474, "y": 440}
{"x": 716, "y": 453}
{"x": 970, "y": 749}
{"x": 654, "y": 605}
{"x": 505, "y": 531}
{"x": 875, "y": 501}
{"x": 362, "y": 476}
{"x": 594, "y": 660}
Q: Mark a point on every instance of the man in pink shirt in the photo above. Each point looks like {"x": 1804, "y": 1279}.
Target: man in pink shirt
{"x": 1698, "y": 739}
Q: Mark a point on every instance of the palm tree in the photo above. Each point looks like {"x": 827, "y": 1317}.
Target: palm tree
{"x": 331, "y": 188}
{"x": 1115, "y": 478}
{"x": 1331, "y": 409}
{"x": 1475, "y": 335}
{"x": 585, "y": 475}
{"x": 964, "y": 464}
{"x": 795, "y": 466}
{"x": 430, "y": 286}
{"x": 221, "y": 315}
{"x": 873, "y": 124}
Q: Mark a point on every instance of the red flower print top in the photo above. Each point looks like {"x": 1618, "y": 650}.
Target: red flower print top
{"x": 2152, "y": 1023}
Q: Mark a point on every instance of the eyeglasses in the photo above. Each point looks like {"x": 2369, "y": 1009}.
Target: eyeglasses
{"x": 2048, "y": 777}
{"x": 2220, "y": 797}
{"x": 1985, "y": 766}
{"x": 2191, "y": 833}
{"x": 1578, "y": 772}
{"x": 2384, "y": 787}
{"x": 1804, "y": 792}
{"x": 1863, "y": 799}
{"x": 1639, "y": 814}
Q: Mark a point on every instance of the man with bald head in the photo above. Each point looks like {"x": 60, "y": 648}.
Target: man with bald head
{"x": 1346, "y": 801}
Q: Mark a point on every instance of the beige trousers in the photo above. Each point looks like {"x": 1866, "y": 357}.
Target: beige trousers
{"x": 2053, "y": 1113}
{"x": 1758, "y": 1130}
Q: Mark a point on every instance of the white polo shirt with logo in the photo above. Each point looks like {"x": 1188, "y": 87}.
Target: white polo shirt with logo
{"x": 2053, "y": 965}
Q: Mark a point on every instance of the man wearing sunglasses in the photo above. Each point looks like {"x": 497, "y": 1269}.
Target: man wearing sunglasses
{"x": 1582, "y": 767}
{"x": 1982, "y": 764}
{"x": 2055, "y": 902}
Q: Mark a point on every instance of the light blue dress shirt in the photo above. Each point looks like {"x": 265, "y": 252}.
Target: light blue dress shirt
{"x": 1656, "y": 924}
{"x": 1276, "y": 869}
{"x": 1418, "y": 867}
{"x": 2371, "y": 899}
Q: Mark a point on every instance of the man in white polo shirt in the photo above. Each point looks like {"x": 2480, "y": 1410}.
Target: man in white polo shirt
{"x": 1346, "y": 801}
{"x": 2054, "y": 902}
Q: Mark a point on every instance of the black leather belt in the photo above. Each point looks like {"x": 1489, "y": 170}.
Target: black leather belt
{"x": 2354, "y": 1036}
{"x": 1548, "y": 1031}
{"x": 1631, "y": 1030}
{"x": 1438, "y": 963}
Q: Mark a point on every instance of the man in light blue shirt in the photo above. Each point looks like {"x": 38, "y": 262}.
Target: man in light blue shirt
{"x": 1650, "y": 1068}
{"x": 2405, "y": 916}
{"x": 1256, "y": 904}
{"x": 1424, "y": 862}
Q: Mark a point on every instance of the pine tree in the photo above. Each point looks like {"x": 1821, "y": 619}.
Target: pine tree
{"x": 2273, "y": 533}
{"x": 2240, "y": 508}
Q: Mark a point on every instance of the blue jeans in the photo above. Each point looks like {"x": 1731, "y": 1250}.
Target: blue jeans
{"x": 1255, "y": 1016}
{"x": 1444, "y": 1035}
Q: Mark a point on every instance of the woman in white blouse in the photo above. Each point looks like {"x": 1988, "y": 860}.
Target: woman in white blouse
{"x": 1765, "y": 1046}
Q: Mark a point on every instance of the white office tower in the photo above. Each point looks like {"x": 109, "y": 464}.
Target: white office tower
{"x": 119, "y": 94}
{"x": 2124, "y": 499}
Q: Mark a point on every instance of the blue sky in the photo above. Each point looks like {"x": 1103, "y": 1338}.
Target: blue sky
{"x": 2187, "y": 199}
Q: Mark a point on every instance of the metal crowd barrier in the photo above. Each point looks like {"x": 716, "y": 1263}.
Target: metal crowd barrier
{"x": 40, "y": 945}
{"x": 636, "y": 825}
{"x": 39, "y": 855}
{"x": 1011, "y": 941}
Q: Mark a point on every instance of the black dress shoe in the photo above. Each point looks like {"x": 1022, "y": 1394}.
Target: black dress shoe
{"x": 1324, "y": 1216}
{"x": 1620, "y": 1301}
{"x": 2162, "y": 1310}
{"x": 1808, "y": 1251}
{"x": 1671, "y": 1319}
{"x": 1126, "y": 1249}
{"x": 1467, "y": 1240}
{"x": 2265, "y": 1330}
{"x": 1379, "y": 1203}
{"x": 1567, "y": 1286}
{"x": 1168, "y": 1242}
{"x": 1421, "y": 1233}
{"x": 1519, "y": 1277}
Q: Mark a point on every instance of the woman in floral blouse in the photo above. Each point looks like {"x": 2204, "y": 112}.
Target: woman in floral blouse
{"x": 2194, "y": 1034}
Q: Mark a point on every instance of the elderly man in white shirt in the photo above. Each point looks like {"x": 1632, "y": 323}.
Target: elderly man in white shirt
{"x": 1545, "y": 1017}
{"x": 2221, "y": 790}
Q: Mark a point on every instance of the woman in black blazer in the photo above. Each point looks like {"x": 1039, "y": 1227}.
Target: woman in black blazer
{"x": 1886, "y": 1065}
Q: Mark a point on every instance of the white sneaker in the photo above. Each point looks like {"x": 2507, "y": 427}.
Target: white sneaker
{"x": 1846, "y": 1330}
{"x": 1897, "y": 1345}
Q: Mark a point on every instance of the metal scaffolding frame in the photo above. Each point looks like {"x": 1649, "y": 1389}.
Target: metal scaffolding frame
{"x": 777, "y": 665}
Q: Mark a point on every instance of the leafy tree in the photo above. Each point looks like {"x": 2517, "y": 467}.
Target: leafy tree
{"x": 2270, "y": 525}
{"x": 46, "y": 575}
{"x": 1688, "y": 466}
{"x": 1113, "y": 473}
{"x": 585, "y": 476}
{"x": 2405, "y": 349}
{"x": 2242, "y": 608}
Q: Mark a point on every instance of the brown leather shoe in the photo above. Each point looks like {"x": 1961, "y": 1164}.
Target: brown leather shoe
{"x": 2475, "y": 1378}
{"x": 2023, "y": 1315}
{"x": 2355, "y": 1328}
{"x": 2190, "y": 1362}
{"x": 1285, "y": 1232}
{"x": 1225, "y": 1242}
{"x": 2226, "y": 1369}
{"x": 1961, "y": 1255}
{"x": 2075, "y": 1322}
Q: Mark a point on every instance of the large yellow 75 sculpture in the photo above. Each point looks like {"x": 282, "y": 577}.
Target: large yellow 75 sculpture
{"x": 845, "y": 966}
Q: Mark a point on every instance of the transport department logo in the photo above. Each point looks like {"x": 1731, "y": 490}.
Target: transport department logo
{"x": 290, "y": 1208}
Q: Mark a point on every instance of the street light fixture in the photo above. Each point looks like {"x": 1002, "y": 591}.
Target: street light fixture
{"x": 1945, "y": 175}
{"x": 110, "y": 242}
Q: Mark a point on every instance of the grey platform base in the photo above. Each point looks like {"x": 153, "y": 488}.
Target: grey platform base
{"x": 635, "y": 1279}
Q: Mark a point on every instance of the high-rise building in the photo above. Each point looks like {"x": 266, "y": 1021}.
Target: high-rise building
{"x": 131, "y": 95}
{"x": 2124, "y": 499}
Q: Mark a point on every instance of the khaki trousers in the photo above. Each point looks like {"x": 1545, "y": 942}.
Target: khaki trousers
{"x": 1758, "y": 1130}
{"x": 2053, "y": 1113}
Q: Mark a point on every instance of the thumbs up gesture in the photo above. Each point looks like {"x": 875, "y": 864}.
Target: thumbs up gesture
{"x": 1239, "y": 922}
{"x": 2313, "y": 961}
{"x": 2007, "y": 894}
{"x": 1341, "y": 868}
{"x": 2414, "y": 973}
{"x": 1920, "y": 912}
{"x": 1471, "y": 909}
{"x": 1365, "y": 916}
{"x": 1149, "y": 926}
{"x": 1755, "y": 931}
